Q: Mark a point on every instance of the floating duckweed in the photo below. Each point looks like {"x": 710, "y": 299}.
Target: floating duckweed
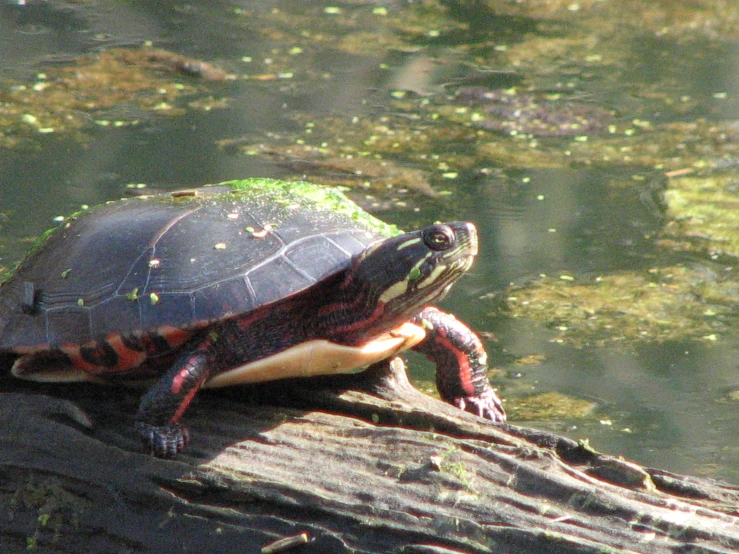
{"x": 665, "y": 303}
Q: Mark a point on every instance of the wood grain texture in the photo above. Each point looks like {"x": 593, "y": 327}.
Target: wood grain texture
{"x": 362, "y": 463}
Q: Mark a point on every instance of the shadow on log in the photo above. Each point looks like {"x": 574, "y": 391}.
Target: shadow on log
{"x": 361, "y": 463}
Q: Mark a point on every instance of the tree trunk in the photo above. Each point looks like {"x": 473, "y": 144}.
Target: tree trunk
{"x": 360, "y": 463}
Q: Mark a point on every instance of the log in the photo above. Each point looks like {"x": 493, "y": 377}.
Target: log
{"x": 360, "y": 463}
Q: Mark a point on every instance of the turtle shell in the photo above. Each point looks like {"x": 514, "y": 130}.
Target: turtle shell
{"x": 179, "y": 261}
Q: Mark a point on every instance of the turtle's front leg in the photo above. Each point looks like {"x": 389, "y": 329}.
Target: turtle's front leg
{"x": 157, "y": 420}
{"x": 461, "y": 364}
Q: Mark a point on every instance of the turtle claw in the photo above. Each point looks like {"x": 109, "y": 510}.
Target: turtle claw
{"x": 163, "y": 442}
{"x": 486, "y": 405}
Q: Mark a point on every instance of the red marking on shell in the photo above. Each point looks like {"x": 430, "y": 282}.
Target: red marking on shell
{"x": 174, "y": 335}
{"x": 75, "y": 354}
{"x": 127, "y": 358}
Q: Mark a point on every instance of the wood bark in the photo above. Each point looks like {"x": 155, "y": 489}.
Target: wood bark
{"x": 360, "y": 463}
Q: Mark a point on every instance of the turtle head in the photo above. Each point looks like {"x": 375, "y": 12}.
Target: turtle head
{"x": 400, "y": 275}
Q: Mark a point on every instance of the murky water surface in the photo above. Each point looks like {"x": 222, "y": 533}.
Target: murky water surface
{"x": 577, "y": 138}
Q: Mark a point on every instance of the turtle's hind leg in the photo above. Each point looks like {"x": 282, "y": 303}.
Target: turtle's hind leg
{"x": 161, "y": 408}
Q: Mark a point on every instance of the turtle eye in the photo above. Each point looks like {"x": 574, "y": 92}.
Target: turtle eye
{"x": 438, "y": 237}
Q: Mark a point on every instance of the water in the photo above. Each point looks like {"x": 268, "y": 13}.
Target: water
{"x": 303, "y": 76}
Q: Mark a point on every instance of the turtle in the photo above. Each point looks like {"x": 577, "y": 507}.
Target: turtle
{"x": 240, "y": 282}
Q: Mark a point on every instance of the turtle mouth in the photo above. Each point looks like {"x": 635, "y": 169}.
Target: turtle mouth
{"x": 473, "y": 242}
{"x": 444, "y": 291}
{"x": 453, "y": 272}
{"x": 437, "y": 288}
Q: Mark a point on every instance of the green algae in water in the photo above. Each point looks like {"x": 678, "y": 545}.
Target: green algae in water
{"x": 547, "y": 406}
{"x": 706, "y": 213}
{"x": 660, "y": 304}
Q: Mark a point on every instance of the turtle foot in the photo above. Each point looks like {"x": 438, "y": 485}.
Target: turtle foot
{"x": 486, "y": 405}
{"x": 163, "y": 442}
